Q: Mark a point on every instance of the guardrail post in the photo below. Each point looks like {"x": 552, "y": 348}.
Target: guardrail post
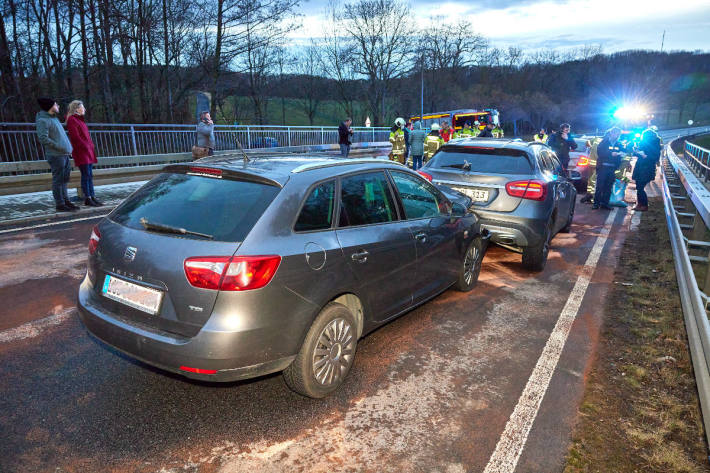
{"x": 248, "y": 138}
{"x": 322, "y": 138}
{"x": 133, "y": 141}
{"x": 288, "y": 132}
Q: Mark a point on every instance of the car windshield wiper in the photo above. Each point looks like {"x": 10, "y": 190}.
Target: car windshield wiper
{"x": 162, "y": 228}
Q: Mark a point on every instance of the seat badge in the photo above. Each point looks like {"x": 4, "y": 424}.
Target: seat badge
{"x": 130, "y": 254}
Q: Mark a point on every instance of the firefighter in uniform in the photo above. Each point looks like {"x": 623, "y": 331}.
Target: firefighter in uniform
{"x": 465, "y": 132}
{"x": 497, "y": 132}
{"x": 398, "y": 141}
{"x": 540, "y": 137}
{"x": 591, "y": 171}
{"x": 433, "y": 142}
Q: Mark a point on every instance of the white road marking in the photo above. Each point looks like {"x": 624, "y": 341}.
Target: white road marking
{"x": 36, "y": 327}
{"x": 51, "y": 224}
{"x": 512, "y": 441}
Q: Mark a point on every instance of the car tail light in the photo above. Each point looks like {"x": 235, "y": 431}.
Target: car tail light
{"x": 94, "y": 240}
{"x": 236, "y": 273}
{"x": 530, "y": 189}
{"x": 202, "y": 171}
{"x": 197, "y": 370}
{"x": 583, "y": 161}
{"x": 425, "y": 175}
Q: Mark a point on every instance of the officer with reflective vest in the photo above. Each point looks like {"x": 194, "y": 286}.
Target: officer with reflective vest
{"x": 540, "y": 137}
{"x": 433, "y": 142}
{"x": 465, "y": 132}
{"x": 397, "y": 140}
{"x": 497, "y": 132}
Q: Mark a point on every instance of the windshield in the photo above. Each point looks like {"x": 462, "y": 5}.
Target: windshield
{"x": 223, "y": 209}
{"x": 482, "y": 160}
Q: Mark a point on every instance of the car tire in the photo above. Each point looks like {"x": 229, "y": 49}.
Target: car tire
{"x": 470, "y": 266}
{"x": 535, "y": 257}
{"x": 568, "y": 225}
{"x": 326, "y": 355}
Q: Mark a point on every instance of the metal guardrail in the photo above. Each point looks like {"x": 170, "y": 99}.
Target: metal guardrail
{"x": 698, "y": 158}
{"x": 687, "y": 199}
{"x": 18, "y": 141}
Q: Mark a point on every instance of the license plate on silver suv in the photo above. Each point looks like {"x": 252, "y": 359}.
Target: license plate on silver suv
{"x": 139, "y": 297}
{"x": 476, "y": 194}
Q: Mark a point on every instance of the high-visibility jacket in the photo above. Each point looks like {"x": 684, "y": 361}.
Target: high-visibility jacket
{"x": 432, "y": 143}
{"x": 398, "y": 142}
{"x": 497, "y": 132}
{"x": 465, "y": 133}
{"x": 539, "y": 139}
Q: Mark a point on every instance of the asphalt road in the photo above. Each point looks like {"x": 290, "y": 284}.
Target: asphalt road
{"x": 432, "y": 391}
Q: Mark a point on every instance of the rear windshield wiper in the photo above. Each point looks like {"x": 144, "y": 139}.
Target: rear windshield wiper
{"x": 465, "y": 165}
{"x": 160, "y": 227}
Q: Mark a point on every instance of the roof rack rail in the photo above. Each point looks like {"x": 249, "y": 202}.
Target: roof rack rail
{"x": 339, "y": 162}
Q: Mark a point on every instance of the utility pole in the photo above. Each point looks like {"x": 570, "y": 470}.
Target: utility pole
{"x": 421, "y": 116}
{"x": 663, "y": 39}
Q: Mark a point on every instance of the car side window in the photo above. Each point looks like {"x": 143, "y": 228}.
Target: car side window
{"x": 365, "y": 199}
{"x": 317, "y": 210}
{"x": 419, "y": 198}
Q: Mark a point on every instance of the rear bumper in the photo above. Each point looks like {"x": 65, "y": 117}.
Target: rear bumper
{"x": 513, "y": 231}
{"x": 231, "y": 353}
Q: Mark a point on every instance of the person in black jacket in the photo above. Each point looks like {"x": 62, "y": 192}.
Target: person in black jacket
{"x": 562, "y": 143}
{"x": 487, "y": 131}
{"x": 608, "y": 160}
{"x": 648, "y": 155}
{"x": 345, "y": 133}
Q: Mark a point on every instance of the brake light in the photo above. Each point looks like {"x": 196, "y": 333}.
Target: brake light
{"x": 202, "y": 171}
{"x": 583, "y": 161}
{"x": 236, "y": 273}
{"x": 197, "y": 370}
{"x": 531, "y": 189}
{"x": 94, "y": 240}
{"x": 425, "y": 175}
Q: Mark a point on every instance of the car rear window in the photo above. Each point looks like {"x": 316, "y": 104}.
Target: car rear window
{"x": 223, "y": 208}
{"x": 483, "y": 160}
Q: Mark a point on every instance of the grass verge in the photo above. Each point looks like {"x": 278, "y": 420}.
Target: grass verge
{"x": 640, "y": 411}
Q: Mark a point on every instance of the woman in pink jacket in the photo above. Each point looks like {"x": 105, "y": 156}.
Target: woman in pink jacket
{"x": 83, "y": 154}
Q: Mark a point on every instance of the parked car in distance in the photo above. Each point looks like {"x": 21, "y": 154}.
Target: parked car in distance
{"x": 578, "y": 166}
{"x": 227, "y": 269}
{"x": 518, "y": 189}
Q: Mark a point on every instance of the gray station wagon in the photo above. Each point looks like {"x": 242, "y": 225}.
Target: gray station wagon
{"x": 225, "y": 269}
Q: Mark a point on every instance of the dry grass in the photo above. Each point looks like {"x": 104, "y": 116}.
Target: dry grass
{"x": 640, "y": 411}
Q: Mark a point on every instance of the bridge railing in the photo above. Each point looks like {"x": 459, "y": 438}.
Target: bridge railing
{"x": 18, "y": 141}
{"x": 687, "y": 206}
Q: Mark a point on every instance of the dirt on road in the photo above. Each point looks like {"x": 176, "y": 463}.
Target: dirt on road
{"x": 640, "y": 411}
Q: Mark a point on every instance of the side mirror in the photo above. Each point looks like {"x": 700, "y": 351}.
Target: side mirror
{"x": 457, "y": 210}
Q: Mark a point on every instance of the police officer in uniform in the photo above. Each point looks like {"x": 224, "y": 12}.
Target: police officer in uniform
{"x": 465, "y": 132}
{"x": 398, "y": 141}
{"x": 541, "y": 136}
{"x": 609, "y": 158}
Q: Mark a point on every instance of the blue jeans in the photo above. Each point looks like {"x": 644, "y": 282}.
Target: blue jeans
{"x": 344, "y": 150}
{"x": 416, "y": 162}
{"x": 87, "y": 179}
{"x": 61, "y": 170}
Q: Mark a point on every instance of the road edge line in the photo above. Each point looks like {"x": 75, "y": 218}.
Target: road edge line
{"x": 512, "y": 441}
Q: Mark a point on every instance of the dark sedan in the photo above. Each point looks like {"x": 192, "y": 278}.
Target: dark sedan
{"x": 227, "y": 269}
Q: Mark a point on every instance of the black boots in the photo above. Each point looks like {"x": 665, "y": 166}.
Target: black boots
{"x": 67, "y": 207}
{"x": 92, "y": 202}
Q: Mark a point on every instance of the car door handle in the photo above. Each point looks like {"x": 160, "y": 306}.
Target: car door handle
{"x": 421, "y": 237}
{"x": 360, "y": 256}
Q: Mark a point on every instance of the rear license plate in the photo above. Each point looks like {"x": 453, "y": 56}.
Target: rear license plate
{"x": 139, "y": 297}
{"x": 476, "y": 194}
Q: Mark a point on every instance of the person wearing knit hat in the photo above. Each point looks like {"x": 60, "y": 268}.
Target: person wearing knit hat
{"x": 57, "y": 151}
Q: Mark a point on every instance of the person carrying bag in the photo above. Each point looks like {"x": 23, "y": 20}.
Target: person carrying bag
{"x": 205, "y": 137}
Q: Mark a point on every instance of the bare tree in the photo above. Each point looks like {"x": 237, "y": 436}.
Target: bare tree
{"x": 380, "y": 30}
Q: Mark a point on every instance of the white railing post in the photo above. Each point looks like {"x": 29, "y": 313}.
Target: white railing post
{"x": 133, "y": 141}
{"x": 248, "y": 137}
{"x": 288, "y": 132}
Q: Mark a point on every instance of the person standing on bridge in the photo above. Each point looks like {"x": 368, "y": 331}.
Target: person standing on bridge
{"x": 345, "y": 134}
{"x": 562, "y": 143}
{"x": 205, "y": 133}
{"x": 416, "y": 144}
{"x": 84, "y": 153}
{"x": 648, "y": 156}
{"x": 608, "y": 160}
{"x": 487, "y": 132}
{"x": 541, "y": 136}
{"x": 57, "y": 149}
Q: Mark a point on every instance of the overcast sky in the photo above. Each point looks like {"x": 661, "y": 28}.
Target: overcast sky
{"x": 531, "y": 24}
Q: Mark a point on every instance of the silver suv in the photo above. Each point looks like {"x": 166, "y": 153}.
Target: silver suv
{"x": 223, "y": 269}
